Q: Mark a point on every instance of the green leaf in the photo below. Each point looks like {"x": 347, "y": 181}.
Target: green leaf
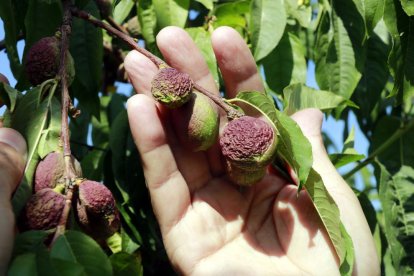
{"x": 36, "y": 25}
{"x": 123, "y": 9}
{"x": 29, "y": 241}
{"x": 79, "y": 131}
{"x": 371, "y": 11}
{"x": 92, "y": 164}
{"x": 300, "y": 11}
{"x": 206, "y": 3}
{"x": 24, "y": 265}
{"x": 202, "y": 39}
{"x": 348, "y": 154}
{"x": 335, "y": 58}
{"x": 126, "y": 264}
{"x": 408, "y": 7}
{"x": 286, "y": 64}
{"x": 267, "y": 24}
{"x": 329, "y": 214}
{"x": 372, "y": 84}
{"x": 171, "y": 12}
{"x": 400, "y": 60}
{"x": 9, "y": 96}
{"x": 396, "y": 192}
{"x": 8, "y": 16}
{"x": 232, "y": 14}
{"x": 31, "y": 118}
{"x": 147, "y": 20}
{"x": 87, "y": 51}
{"x": 299, "y": 96}
{"x": 77, "y": 249}
{"x": 293, "y": 146}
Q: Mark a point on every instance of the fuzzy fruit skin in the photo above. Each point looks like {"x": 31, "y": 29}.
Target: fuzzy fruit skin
{"x": 197, "y": 122}
{"x": 171, "y": 87}
{"x": 43, "y": 210}
{"x": 50, "y": 171}
{"x": 3, "y": 79}
{"x": 42, "y": 61}
{"x": 248, "y": 145}
{"x": 96, "y": 210}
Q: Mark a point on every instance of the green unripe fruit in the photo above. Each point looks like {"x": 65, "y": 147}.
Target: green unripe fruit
{"x": 43, "y": 210}
{"x": 197, "y": 122}
{"x": 172, "y": 87}
{"x": 50, "y": 170}
{"x": 96, "y": 210}
{"x": 248, "y": 145}
{"x": 43, "y": 59}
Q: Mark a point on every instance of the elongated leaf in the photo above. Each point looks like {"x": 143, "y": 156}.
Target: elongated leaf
{"x": 232, "y": 14}
{"x": 87, "y": 51}
{"x": 286, "y": 64}
{"x": 202, "y": 39}
{"x": 371, "y": 11}
{"x": 300, "y": 11}
{"x": 293, "y": 146}
{"x": 329, "y": 214}
{"x": 401, "y": 60}
{"x": 336, "y": 63}
{"x": 79, "y": 250}
{"x": 408, "y": 7}
{"x": 123, "y": 9}
{"x": 9, "y": 96}
{"x": 376, "y": 74}
{"x": 348, "y": 154}
{"x": 171, "y": 12}
{"x": 298, "y": 96}
{"x": 147, "y": 20}
{"x": 31, "y": 119}
{"x": 11, "y": 29}
{"x": 267, "y": 24}
{"x": 396, "y": 193}
{"x": 24, "y": 265}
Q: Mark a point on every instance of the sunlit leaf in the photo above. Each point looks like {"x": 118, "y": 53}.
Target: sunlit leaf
{"x": 267, "y": 24}
{"x": 299, "y": 96}
{"x": 171, "y": 12}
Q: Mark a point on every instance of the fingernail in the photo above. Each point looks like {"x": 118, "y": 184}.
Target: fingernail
{"x": 14, "y": 139}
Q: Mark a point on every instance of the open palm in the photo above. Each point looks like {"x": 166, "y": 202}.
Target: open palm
{"x": 209, "y": 225}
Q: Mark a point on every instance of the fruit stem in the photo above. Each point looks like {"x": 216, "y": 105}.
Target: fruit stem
{"x": 61, "y": 227}
{"x": 126, "y": 38}
{"x": 232, "y": 113}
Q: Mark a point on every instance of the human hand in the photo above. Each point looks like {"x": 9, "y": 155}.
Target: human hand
{"x": 209, "y": 226}
{"x": 12, "y": 163}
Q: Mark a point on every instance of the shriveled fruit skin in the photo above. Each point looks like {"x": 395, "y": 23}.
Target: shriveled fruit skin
{"x": 6, "y": 81}
{"x": 171, "y": 87}
{"x": 43, "y": 210}
{"x": 248, "y": 145}
{"x": 96, "y": 210}
{"x": 197, "y": 122}
{"x": 50, "y": 171}
{"x": 43, "y": 59}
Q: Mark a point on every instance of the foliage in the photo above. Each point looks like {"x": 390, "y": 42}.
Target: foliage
{"x": 362, "y": 51}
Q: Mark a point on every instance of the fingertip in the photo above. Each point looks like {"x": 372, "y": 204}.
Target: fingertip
{"x": 14, "y": 139}
{"x": 140, "y": 71}
{"x": 310, "y": 121}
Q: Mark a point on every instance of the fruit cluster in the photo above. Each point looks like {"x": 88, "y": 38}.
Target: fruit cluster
{"x": 247, "y": 143}
{"x": 93, "y": 204}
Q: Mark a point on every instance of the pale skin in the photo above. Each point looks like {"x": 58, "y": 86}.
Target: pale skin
{"x": 209, "y": 226}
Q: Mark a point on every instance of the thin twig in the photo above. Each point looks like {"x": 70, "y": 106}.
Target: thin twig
{"x": 400, "y": 132}
{"x": 69, "y": 172}
{"x": 114, "y": 24}
{"x": 126, "y": 38}
{"x": 231, "y": 112}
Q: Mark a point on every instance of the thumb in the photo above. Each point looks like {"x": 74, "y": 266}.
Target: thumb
{"x": 12, "y": 164}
